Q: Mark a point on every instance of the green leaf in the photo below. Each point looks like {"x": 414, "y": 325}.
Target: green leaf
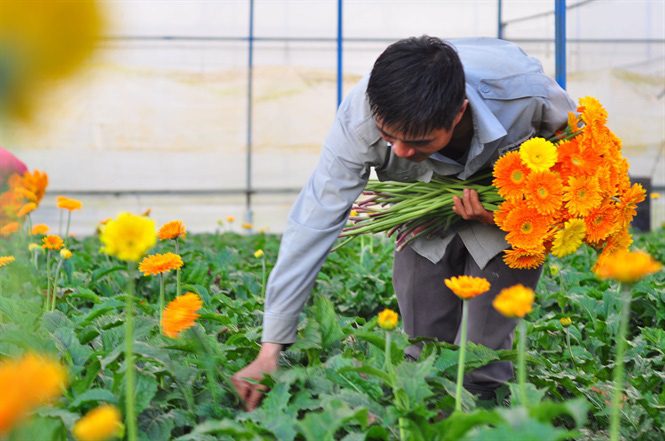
{"x": 322, "y": 426}
{"x": 411, "y": 377}
{"x": 459, "y": 423}
{"x": 219, "y": 427}
{"x": 156, "y": 426}
{"x": 370, "y": 370}
{"x": 547, "y": 411}
{"x": 95, "y": 395}
{"x": 325, "y": 315}
{"x": 99, "y": 273}
{"x": 275, "y": 413}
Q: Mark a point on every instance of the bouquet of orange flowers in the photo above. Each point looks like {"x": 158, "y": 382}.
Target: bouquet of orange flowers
{"x": 550, "y": 196}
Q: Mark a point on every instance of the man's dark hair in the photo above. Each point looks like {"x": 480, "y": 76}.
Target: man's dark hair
{"x": 417, "y": 85}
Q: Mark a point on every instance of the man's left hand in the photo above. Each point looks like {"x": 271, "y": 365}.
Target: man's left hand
{"x": 469, "y": 207}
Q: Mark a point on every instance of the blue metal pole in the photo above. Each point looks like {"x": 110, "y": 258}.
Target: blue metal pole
{"x": 499, "y": 16}
{"x": 560, "y": 41}
{"x": 340, "y": 70}
{"x": 250, "y": 71}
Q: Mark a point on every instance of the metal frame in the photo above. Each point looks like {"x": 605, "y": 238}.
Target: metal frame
{"x": 560, "y": 40}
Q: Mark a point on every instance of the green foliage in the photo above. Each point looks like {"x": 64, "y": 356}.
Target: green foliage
{"x": 333, "y": 383}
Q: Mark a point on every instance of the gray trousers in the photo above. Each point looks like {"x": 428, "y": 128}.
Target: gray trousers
{"x": 429, "y": 309}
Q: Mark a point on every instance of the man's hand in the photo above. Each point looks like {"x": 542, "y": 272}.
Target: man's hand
{"x": 470, "y": 208}
{"x": 265, "y": 363}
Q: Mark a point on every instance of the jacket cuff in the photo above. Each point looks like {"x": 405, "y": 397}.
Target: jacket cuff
{"x": 279, "y": 328}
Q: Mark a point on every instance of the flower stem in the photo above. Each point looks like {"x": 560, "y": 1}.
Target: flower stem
{"x": 177, "y": 273}
{"x": 263, "y": 276}
{"x": 130, "y": 412}
{"x": 615, "y": 419}
{"x": 47, "y": 300}
{"x": 462, "y": 354}
{"x": 69, "y": 220}
{"x": 570, "y": 350}
{"x": 161, "y": 296}
{"x": 56, "y": 278}
{"x": 521, "y": 361}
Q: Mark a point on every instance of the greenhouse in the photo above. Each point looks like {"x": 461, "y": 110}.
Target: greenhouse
{"x": 332, "y": 220}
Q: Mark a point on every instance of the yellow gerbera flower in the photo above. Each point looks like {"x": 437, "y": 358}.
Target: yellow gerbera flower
{"x": 38, "y": 229}
{"x": 516, "y": 301}
{"x": 172, "y": 230}
{"x": 388, "y": 319}
{"x": 65, "y": 254}
{"x": 68, "y": 203}
{"x": 230, "y": 219}
{"x": 52, "y": 242}
{"x": 565, "y": 321}
{"x": 128, "y": 236}
{"x": 247, "y": 226}
{"x": 258, "y": 254}
{"x": 160, "y": 263}
{"x": 467, "y": 287}
{"x": 626, "y": 266}
{"x": 100, "y": 424}
{"x": 538, "y": 154}
{"x": 6, "y": 260}
{"x": 569, "y": 239}
{"x": 26, "y": 209}
{"x": 180, "y": 314}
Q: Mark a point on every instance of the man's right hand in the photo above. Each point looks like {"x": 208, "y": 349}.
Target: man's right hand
{"x": 265, "y": 363}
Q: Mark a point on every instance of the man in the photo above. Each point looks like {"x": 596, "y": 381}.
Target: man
{"x": 428, "y": 107}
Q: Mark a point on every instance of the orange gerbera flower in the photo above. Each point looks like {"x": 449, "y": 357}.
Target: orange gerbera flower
{"x": 526, "y": 228}
{"x": 592, "y": 111}
{"x": 576, "y": 161}
{"x": 581, "y": 195}
{"x": 52, "y": 242}
{"x": 26, "y": 209}
{"x": 619, "y": 240}
{"x": 172, "y": 230}
{"x": 34, "y": 185}
{"x": 626, "y": 266}
{"x": 510, "y": 175}
{"x": 9, "y": 229}
{"x": 467, "y": 287}
{"x": 627, "y": 205}
{"x": 543, "y": 191}
{"x": 519, "y": 258}
{"x": 180, "y": 314}
{"x": 39, "y": 229}
{"x": 601, "y": 222}
{"x": 516, "y": 301}
{"x": 68, "y": 204}
{"x": 160, "y": 263}
{"x": 500, "y": 214}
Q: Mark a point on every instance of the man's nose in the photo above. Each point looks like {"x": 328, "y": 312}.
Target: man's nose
{"x": 402, "y": 150}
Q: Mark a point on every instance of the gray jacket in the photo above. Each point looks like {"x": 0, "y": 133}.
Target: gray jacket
{"x": 511, "y": 100}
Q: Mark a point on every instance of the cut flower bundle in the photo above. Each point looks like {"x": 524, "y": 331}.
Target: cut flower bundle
{"x": 547, "y": 197}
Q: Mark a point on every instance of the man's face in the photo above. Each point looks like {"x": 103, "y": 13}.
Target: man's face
{"x": 419, "y": 148}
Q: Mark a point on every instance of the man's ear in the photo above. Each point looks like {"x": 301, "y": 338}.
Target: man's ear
{"x": 460, "y": 114}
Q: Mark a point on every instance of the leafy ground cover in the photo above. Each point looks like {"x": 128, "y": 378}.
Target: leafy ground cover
{"x": 336, "y": 381}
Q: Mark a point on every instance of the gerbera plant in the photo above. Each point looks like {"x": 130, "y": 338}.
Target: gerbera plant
{"x": 128, "y": 237}
{"x": 175, "y": 231}
{"x": 625, "y": 267}
{"x": 160, "y": 264}
{"x": 466, "y": 288}
{"x": 516, "y": 302}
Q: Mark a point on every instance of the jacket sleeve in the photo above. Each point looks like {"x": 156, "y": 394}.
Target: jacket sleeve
{"x": 314, "y": 223}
